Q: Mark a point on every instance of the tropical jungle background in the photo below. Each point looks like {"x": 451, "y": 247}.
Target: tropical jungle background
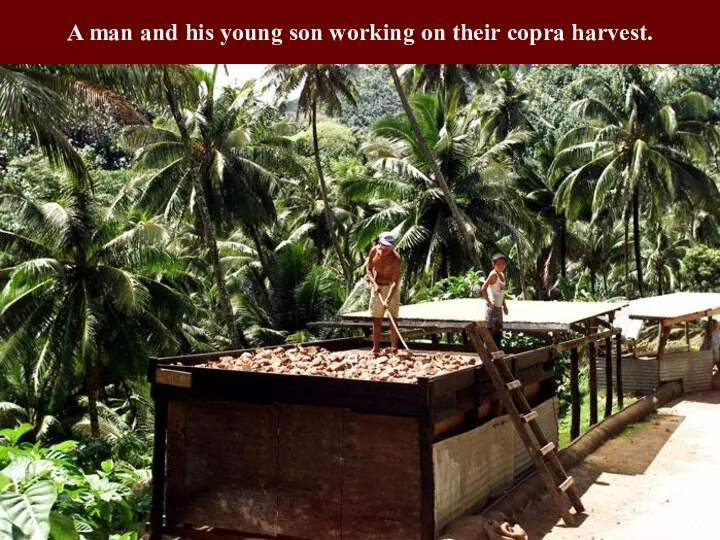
{"x": 148, "y": 210}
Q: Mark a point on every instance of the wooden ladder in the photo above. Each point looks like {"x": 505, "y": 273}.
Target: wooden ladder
{"x": 542, "y": 452}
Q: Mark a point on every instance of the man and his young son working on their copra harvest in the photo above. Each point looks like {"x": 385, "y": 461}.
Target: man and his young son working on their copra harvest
{"x": 383, "y": 273}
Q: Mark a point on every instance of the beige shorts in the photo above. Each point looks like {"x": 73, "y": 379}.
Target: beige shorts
{"x": 377, "y": 310}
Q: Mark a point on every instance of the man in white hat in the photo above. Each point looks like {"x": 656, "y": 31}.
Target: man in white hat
{"x": 383, "y": 273}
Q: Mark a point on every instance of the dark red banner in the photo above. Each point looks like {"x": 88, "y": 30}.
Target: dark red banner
{"x": 611, "y": 31}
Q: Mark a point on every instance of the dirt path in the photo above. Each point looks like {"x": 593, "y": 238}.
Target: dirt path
{"x": 659, "y": 480}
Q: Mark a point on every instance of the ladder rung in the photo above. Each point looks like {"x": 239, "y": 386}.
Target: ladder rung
{"x": 529, "y": 417}
{"x": 497, "y": 355}
{"x": 566, "y": 484}
{"x": 514, "y": 385}
{"x": 549, "y": 447}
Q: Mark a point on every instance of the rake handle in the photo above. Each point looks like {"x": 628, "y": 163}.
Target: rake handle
{"x": 392, "y": 319}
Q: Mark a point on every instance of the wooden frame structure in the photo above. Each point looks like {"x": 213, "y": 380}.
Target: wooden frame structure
{"x": 210, "y": 427}
{"x": 647, "y": 369}
{"x": 552, "y": 320}
{"x": 672, "y": 309}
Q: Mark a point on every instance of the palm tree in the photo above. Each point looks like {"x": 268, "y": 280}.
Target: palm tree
{"x": 634, "y": 148}
{"x": 238, "y": 156}
{"x": 665, "y": 254}
{"x": 86, "y": 298}
{"x": 427, "y": 78}
{"x": 596, "y": 249}
{"x": 538, "y": 197}
{"x": 465, "y": 228}
{"x": 303, "y": 290}
{"x": 39, "y": 99}
{"x": 476, "y": 175}
{"x": 321, "y": 85}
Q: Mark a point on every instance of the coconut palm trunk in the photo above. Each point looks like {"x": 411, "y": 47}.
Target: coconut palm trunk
{"x": 234, "y": 333}
{"x": 636, "y": 240}
{"x": 91, "y": 381}
{"x": 464, "y": 228}
{"x": 327, "y": 210}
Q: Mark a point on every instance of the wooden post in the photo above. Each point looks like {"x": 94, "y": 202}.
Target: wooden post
{"x": 592, "y": 379}
{"x": 574, "y": 393}
{"x": 618, "y": 370}
{"x": 608, "y": 377}
{"x": 427, "y": 479}
{"x": 158, "y": 467}
{"x": 687, "y": 334}
{"x": 662, "y": 340}
{"x": 435, "y": 339}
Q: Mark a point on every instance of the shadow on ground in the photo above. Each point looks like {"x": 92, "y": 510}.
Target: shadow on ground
{"x": 629, "y": 453}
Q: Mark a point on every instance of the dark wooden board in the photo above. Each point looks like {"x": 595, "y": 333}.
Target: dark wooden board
{"x": 176, "y": 456}
{"x": 231, "y": 466}
{"x": 403, "y": 399}
{"x": 310, "y": 472}
{"x": 381, "y": 457}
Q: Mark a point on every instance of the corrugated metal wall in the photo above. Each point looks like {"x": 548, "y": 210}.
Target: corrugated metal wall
{"x": 693, "y": 368}
{"x": 471, "y": 467}
{"x": 638, "y": 374}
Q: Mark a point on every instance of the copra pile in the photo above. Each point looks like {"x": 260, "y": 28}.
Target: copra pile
{"x": 311, "y": 360}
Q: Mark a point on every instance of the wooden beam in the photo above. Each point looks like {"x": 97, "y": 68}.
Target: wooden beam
{"x": 440, "y": 325}
{"x": 427, "y": 478}
{"x": 672, "y": 321}
{"x": 608, "y": 377}
{"x": 579, "y": 342}
{"x": 618, "y": 369}
{"x": 604, "y": 324}
{"x": 662, "y": 340}
{"x": 592, "y": 382}
{"x": 157, "y": 510}
{"x": 574, "y": 393}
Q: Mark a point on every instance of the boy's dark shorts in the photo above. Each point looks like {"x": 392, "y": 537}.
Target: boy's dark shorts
{"x": 494, "y": 318}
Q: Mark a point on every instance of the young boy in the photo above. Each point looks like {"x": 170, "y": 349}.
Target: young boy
{"x": 493, "y": 291}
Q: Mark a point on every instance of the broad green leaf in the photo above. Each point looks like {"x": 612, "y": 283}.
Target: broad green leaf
{"x": 30, "y": 510}
{"x": 107, "y": 465}
{"x": 65, "y": 446}
{"x": 14, "y": 435}
{"x": 126, "y": 536}
{"x": 17, "y": 470}
{"x": 4, "y": 481}
{"x": 81, "y": 525}
{"x": 62, "y": 527}
{"x": 10, "y": 531}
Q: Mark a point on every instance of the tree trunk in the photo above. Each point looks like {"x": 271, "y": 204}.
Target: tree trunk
{"x": 234, "y": 333}
{"x": 626, "y": 257}
{"x": 592, "y": 282}
{"x": 326, "y": 203}
{"x": 660, "y": 281}
{"x": 605, "y": 282}
{"x": 92, "y": 392}
{"x": 269, "y": 270}
{"x": 636, "y": 241}
{"x": 520, "y": 268}
{"x": 463, "y": 226}
{"x": 444, "y": 269}
{"x": 563, "y": 245}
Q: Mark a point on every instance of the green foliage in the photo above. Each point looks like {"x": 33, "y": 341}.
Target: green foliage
{"x": 379, "y": 98}
{"x": 46, "y": 493}
{"x": 466, "y": 286}
{"x": 702, "y": 269}
{"x": 335, "y": 141}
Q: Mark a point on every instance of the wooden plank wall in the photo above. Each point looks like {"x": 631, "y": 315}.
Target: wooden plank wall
{"x": 304, "y": 472}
